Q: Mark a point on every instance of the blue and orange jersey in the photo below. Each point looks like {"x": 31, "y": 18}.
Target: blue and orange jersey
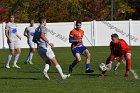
{"x": 76, "y": 35}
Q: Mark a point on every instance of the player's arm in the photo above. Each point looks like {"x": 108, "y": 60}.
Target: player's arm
{"x": 43, "y": 37}
{"x": 123, "y": 45}
{"x": 111, "y": 57}
{"x": 112, "y": 53}
{"x": 18, "y": 36}
{"x": 73, "y": 41}
{"x": 71, "y": 38}
{"x": 25, "y": 33}
{"x": 6, "y": 33}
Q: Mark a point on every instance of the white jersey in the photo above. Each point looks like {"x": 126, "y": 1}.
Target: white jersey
{"x": 40, "y": 42}
{"x": 11, "y": 28}
{"x": 29, "y": 31}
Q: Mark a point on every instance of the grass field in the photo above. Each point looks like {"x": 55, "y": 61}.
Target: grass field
{"x": 29, "y": 78}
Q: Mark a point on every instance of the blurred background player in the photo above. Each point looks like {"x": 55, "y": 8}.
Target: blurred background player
{"x": 13, "y": 42}
{"x": 29, "y": 33}
{"x": 119, "y": 50}
{"x": 78, "y": 48}
{"x": 44, "y": 48}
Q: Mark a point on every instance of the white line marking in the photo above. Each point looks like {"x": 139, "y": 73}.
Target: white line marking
{"x": 132, "y": 71}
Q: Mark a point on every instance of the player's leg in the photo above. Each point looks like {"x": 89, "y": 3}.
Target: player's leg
{"x": 58, "y": 67}
{"x": 18, "y": 51}
{"x": 77, "y": 60}
{"x": 51, "y": 56}
{"x": 86, "y": 53}
{"x": 42, "y": 53}
{"x": 118, "y": 64}
{"x": 32, "y": 51}
{"x": 11, "y": 49}
{"x": 108, "y": 64}
{"x": 30, "y": 56}
{"x": 128, "y": 63}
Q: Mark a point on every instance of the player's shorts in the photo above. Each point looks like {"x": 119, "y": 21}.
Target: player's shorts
{"x": 31, "y": 44}
{"x": 129, "y": 51}
{"x": 46, "y": 53}
{"x": 14, "y": 44}
{"x": 80, "y": 50}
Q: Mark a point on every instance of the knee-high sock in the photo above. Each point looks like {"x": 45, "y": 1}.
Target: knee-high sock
{"x": 8, "y": 59}
{"x": 30, "y": 56}
{"x": 59, "y": 69}
{"x": 46, "y": 68}
{"x": 16, "y": 58}
{"x": 74, "y": 63}
{"x": 128, "y": 65}
{"x": 27, "y": 59}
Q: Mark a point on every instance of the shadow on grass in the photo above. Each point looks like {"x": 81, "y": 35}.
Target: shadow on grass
{"x": 90, "y": 75}
{"x": 19, "y": 78}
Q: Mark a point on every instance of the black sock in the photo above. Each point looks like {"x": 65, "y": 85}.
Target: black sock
{"x": 74, "y": 63}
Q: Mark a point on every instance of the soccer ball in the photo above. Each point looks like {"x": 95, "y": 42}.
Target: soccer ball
{"x": 102, "y": 67}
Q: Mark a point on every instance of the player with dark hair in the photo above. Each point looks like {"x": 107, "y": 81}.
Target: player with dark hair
{"x": 77, "y": 47}
{"x": 29, "y": 33}
{"x": 44, "y": 49}
{"x": 119, "y": 50}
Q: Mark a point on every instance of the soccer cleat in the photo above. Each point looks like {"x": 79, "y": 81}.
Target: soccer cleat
{"x": 16, "y": 66}
{"x": 103, "y": 74}
{"x": 116, "y": 67}
{"x": 89, "y": 71}
{"x": 30, "y": 62}
{"x": 126, "y": 75}
{"x": 46, "y": 75}
{"x": 7, "y": 66}
{"x": 25, "y": 62}
{"x": 70, "y": 69}
{"x": 65, "y": 76}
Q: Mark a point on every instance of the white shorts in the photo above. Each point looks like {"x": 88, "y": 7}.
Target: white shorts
{"x": 31, "y": 44}
{"x": 14, "y": 44}
{"x": 45, "y": 53}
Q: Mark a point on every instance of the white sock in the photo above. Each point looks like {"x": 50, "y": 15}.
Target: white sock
{"x": 8, "y": 59}
{"x": 27, "y": 59}
{"x": 46, "y": 68}
{"x": 59, "y": 69}
{"x": 16, "y": 58}
{"x": 30, "y": 56}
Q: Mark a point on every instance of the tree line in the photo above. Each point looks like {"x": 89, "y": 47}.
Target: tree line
{"x": 69, "y": 10}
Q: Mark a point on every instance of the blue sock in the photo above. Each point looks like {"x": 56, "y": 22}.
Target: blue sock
{"x": 87, "y": 66}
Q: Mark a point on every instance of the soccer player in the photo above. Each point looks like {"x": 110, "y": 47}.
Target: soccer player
{"x": 77, "y": 47}
{"x": 13, "y": 42}
{"x": 29, "y": 33}
{"x": 44, "y": 48}
{"x": 119, "y": 50}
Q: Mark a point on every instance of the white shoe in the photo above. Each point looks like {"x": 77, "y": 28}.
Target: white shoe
{"x": 7, "y": 66}
{"x": 16, "y": 66}
{"x": 46, "y": 75}
{"x": 65, "y": 76}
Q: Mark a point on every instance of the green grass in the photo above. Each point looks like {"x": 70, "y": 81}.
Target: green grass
{"x": 28, "y": 79}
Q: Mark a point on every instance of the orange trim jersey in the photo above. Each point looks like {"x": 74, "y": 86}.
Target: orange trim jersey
{"x": 76, "y": 35}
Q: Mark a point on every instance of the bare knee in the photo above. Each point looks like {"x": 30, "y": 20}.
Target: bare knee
{"x": 78, "y": 59}
{"x": 18, "y": 51}
{"x": 12, "y": 52}
{"x": 33, "y": 50}
{"x": 128, "y": 56}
